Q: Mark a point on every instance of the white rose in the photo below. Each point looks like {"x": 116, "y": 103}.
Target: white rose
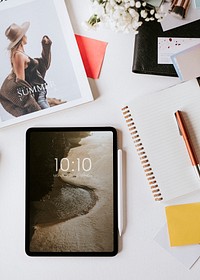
{"x": 152, "y": 12}
{"x": 132, "y": 3}
{"x": 112, "y": 3}
{"x": 138, "y": 4}
{"x": 134, "y": 14}
{"x": 143, "y": 14}
{"x": 135, "y": 24}
{"x": 157, "y": 16}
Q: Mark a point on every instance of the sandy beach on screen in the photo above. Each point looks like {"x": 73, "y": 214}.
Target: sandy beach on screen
{"x": 92, "y": 230}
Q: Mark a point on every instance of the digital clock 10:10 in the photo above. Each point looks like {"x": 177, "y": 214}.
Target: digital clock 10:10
{"x": 84, "y": 164}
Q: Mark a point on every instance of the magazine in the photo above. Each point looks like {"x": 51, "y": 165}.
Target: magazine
{"x": 41, "y": 67}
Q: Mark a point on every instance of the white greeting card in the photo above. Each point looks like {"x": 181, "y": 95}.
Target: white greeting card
{"x": 187, "y": 255}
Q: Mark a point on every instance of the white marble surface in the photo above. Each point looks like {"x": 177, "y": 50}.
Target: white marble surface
{"x": 140, "y": 257}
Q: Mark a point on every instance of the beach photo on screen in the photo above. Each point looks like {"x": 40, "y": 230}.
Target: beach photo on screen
{"x": 70, "y": 192}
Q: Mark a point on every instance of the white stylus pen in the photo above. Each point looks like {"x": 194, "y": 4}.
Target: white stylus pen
{"x": 120, "y": 193}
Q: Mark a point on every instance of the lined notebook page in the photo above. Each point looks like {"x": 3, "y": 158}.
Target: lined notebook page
{"x": 156, "y": 125}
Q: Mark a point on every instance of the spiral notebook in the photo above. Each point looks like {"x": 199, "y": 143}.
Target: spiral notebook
{"x": 156, "y": 137}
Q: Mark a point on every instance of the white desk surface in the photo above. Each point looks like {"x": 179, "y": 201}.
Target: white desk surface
{"x": 140, "y": 257}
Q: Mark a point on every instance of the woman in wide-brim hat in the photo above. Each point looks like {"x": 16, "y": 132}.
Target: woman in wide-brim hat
{"x": 15, "y": 33}
{"x": 24, "y": 90}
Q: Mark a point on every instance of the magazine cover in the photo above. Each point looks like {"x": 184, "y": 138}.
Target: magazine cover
{"x": 71, "y": 191}
{"x": 41, "y": 68}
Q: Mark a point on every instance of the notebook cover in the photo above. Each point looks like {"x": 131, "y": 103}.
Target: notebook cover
{"x": 145, "y": 47}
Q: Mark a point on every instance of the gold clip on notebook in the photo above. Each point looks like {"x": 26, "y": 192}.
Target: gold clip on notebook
{"x": 183, "y": 224}
{"x": 155, "y": 134}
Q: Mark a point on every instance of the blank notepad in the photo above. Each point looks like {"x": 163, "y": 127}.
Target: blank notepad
{"x": 155, "y": 133}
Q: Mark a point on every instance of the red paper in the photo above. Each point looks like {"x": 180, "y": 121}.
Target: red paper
{"x": 92, "y": 52}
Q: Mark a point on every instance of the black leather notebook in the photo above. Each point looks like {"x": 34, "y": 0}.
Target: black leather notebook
{"x": 145, "y": 47}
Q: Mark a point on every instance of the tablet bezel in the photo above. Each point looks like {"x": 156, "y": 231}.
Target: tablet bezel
{"x": 115, "y": 191}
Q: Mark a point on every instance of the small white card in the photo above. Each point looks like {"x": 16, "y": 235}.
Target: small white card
{"x": 168, "y": 46}
{"x": 187, "y": 255}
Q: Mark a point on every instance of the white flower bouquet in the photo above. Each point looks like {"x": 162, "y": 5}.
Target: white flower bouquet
{"x": 122, "y": 15}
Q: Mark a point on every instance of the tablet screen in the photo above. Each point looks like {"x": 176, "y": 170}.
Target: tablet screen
{"x": 71, "y": 191}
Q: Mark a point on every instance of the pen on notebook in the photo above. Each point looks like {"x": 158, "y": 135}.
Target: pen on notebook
{"x": 186, "y": 137}
{"x": 120, "y": 193}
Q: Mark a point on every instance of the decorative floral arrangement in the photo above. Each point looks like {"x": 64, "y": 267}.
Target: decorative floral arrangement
{"x": 122, "y": 15}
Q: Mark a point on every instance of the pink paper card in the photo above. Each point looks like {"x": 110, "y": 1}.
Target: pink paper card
{"x": 92, "y": 52}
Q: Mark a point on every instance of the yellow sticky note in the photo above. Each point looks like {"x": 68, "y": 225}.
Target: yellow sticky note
{"x": 183, "y": 222}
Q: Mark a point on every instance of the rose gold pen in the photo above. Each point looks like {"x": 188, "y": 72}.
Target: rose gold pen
{"x": 186, "y": 137}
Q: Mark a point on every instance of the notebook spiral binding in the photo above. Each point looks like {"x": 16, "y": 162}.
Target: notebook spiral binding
{"x": 142, "y": 154}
